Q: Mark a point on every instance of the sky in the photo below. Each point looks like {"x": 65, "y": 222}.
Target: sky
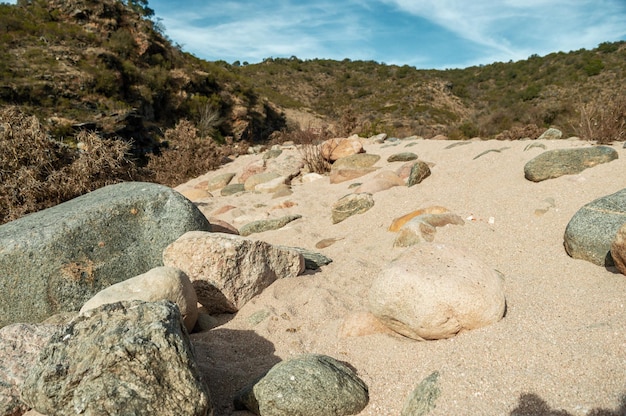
{"x": 426, "y": 34}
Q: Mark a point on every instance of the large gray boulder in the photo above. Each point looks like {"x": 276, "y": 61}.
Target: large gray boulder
{"x": 309, "y": 385}
{"x": 591, "y": 231}
{"x": 132, "y": 358}
{"x": 559, "y": 162}
{"x": 56, "y": 259}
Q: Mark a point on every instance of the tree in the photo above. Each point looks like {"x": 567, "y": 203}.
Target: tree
{"x": 141, "y": 7}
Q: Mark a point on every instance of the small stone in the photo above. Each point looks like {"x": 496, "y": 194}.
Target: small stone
{"x": 551, "y": 134}
{"x": 309, "y": 385}
{"x": 422, "y": 399}
{"x": 402, "y": 157}
{"x": 267, "y": 225}
{"x": 559, "y": 162}
{"x": 219, "y": 181}
{"x": 419, "y": 172}
{"x": 232, "y": 189}
{"x": 351, "y": 205}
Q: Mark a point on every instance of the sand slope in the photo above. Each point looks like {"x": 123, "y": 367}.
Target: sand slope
{"x": 561, "y": 345}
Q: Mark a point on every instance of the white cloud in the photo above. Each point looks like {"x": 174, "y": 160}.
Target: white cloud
{"x": 515, "y": 29}
{"x": 261, "y": 29}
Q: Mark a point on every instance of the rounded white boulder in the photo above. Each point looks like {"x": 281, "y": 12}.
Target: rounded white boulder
{"x": 433, "y": 291}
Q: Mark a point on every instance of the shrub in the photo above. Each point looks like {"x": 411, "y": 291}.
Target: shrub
{"x": 186, "y": 155}
{"x": 602, "y": 120}
{"x": 37, "y": 172}
{"x": 309, "y": 142}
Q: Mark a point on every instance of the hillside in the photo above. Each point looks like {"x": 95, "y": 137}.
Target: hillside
{"x": 114, "y": 99}
{"x": 476, "y": 101}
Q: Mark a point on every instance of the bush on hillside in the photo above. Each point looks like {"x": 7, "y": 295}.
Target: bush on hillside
{"x": 603, "y": 121}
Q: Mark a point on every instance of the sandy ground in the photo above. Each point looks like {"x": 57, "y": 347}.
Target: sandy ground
{"x": 560, "y": 347}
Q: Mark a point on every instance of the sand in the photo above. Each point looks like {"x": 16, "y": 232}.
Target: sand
{"x": 560, "y": 347}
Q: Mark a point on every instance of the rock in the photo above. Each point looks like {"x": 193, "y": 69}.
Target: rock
{"x": 361, "y": 160}
{"x": 342, "y": 175}
{"x": 618, "y": 249}
{"x": 160, "y": 283}
{"x": 133, "y": 355}
{"x": 259, "y": 178}
{"x": 195, "y": 194}
{"x": 254, "y": 168}
{"x": 402, "y": 157}
{"x": 439, "y": 137}
{"x": 433, "y": 291}
{"x": 422, "y": 399}
{"x": 219, "y": 226}
{"x": 227, "y": 270}
{"x": 551, "y": 134}
{"x": 311, "y": 177}
{"x": 363, "y": 323}
{"x": 380, "y": 182}
{"x": 267, "y": 225}
{"x": 312, "y": 260}
{"x": 219, "y": 181}
{"x": 419, "y": 172}
{"x": 20, "y": 346}
{"x": 232, "y": 189}
{"x": 56, "y": 259}
{"x": 423, "y": 227}
{"x": 351, "y": 205}
{"x": 591, "y": 231}
{"x": 309, "y": 385}
{"x": 379, "y": 138}
{"x": 559, "y": 162}
{"x": 273, "y": 185}
{"x": 333, "y": 149}
{"x": 400, "y": 221}
{"x": 272, "y": 154}
{"x": 222, "y": 210}
{"x": 289, "y": 166}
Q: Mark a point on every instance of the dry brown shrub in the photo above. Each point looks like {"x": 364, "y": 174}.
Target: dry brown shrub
{"x": 603, "y": 120}
{"x": 529, "y": 131}
{"x": 187, "y": 155}
{"x": 37, "y": 172}
{"x": 309, "y": 143}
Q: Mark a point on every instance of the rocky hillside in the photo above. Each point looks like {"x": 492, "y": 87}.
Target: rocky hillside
{"x": 105, "y": 65}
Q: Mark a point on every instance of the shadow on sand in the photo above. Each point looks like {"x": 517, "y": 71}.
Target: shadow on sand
{"x": 533, "y": 405}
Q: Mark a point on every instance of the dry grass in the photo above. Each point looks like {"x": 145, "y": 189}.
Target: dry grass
{"x": 186, "y": 155}
{"x": 37, "y": 172}
{"x": 309, "y": 142}
{"x": 603, "y": 121}
{"x": 529, "y": 131}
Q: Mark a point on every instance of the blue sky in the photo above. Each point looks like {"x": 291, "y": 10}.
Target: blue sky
{"x": 422, "y": 33}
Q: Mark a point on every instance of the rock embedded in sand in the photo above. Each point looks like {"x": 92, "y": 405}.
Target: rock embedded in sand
{"x": 422, "y": 399}
{"x": 254, "y": 168}
{"x": 400, "y": 221}
{"x": 232, "y": 189}
{"x": 618, "y": 249}
{"x": 342, "y": 175}
{"x": 592, "y": 229}
{"x": 133, "y": 355}
{"x": 559, "y": 162}
{"x": 351, "y": 205}
{"x": 423, "y": 227}
{"x": 433, "y": 291}
{"x": 361, "y": 160}
{"x": 402, "y": 157}
{"x": 333, "y": 149}
{"x": 308, "y": 385}
{"x": 219, "y": 181}
{"x": 551, "y": 134}
{"x": 160, "y": 283}
{"x": 419, "y": 171}
{"x": 228, "y": 270}
{"x": 259, "y": 178}
{"x": 267, "y": 225}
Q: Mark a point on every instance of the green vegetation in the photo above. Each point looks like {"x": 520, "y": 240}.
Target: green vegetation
{"x": 166, "y": 116}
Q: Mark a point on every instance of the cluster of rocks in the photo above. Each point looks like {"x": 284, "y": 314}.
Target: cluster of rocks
{"x": 122, "y": 275}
